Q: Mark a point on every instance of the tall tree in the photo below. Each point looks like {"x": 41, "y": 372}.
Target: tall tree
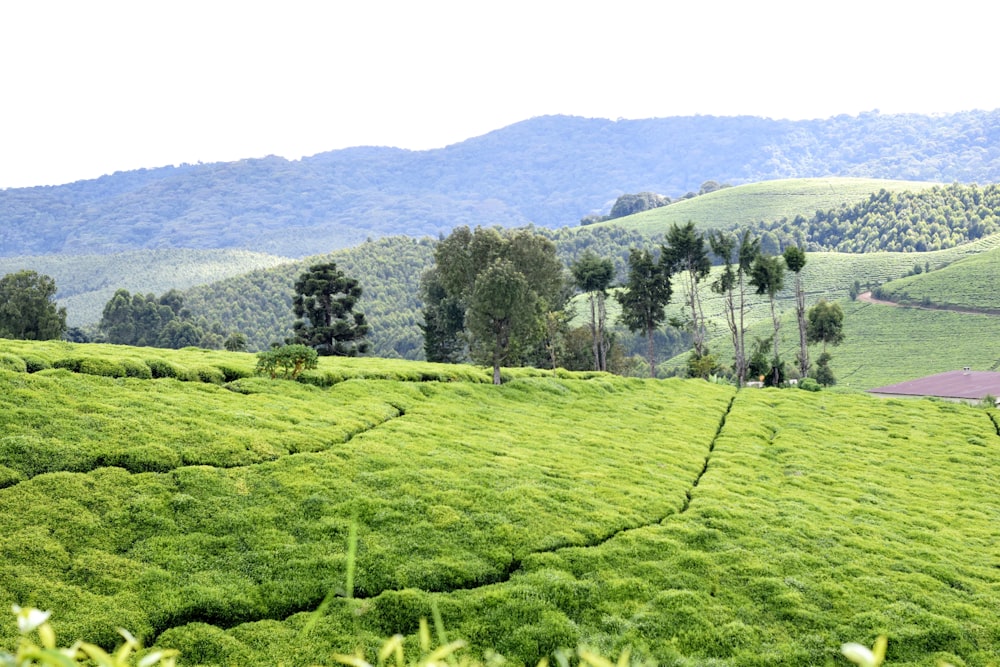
{"x": 685, "y": 253}
{"x": 768, "y": 277}
{"x": 593, "y": 276}
{"x": 444, "y": 321}
{"x": 28, "y": 310}
{"x": 324, "y": 302}
{"x": 795, "y": 260}
{"x": 644, "y": 298}
{"x": 466, "y": 283}
{"x": 503, "y": 314}
{"x": 825, "y": 324}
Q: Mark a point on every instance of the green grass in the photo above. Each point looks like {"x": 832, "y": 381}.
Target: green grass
{"x": 883, "y": 346}
{"x": 690, "y": 523}
{"x": 972, "y": 283}
{"x": 763, "y": 201}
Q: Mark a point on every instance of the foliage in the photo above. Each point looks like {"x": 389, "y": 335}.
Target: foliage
{"x": 499, "y": 285}
{"x": 685, "y": 253}
{"x": 644, "y": 297}
{"x": 825, "y": 323}
{"x": 27, "y": 307}
{"x": 324, "y": 302}
{"x": 823, "y": 374}
{"x": 936, "y": 218}
{"x": 680, "y": 519}
{"x": 593, "y": 275}
{"x": 87, "y": 282}
{"x": 502, "y": 316}
{"x": 45, "y": 652}
{"x": 147, "y": 321}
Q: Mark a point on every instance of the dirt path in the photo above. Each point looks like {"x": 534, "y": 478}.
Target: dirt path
{"x": 868, "y": 298}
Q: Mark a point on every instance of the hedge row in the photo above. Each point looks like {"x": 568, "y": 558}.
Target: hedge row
{"x": 147, "y": 369}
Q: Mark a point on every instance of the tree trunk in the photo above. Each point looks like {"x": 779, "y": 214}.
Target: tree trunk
{"x": 602, "y": 344}
{"x": 777, "y": 325}
{"x": 800, "y": 311}
{"x": 650, "y": 353}
{"x": 594, "y": 334}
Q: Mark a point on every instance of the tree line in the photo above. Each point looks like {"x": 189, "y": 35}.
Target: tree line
{"x": 501, "y": 297}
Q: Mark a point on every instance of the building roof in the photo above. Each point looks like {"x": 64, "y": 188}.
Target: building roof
{"x": 965, "y": 384}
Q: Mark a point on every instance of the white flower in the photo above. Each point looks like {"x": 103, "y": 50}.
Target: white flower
{"x": 28, "y": 620}
{"x": 858, "y": 654}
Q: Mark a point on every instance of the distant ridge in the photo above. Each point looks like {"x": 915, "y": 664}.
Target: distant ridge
{"x": 549, "y": 171}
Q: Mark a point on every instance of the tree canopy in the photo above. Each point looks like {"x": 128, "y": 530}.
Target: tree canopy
{"x": 27, "y": 307}
{"x": 488, "y": 292}
{"x": 324, "y": 302}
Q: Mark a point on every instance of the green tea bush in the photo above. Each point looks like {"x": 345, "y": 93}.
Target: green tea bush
{"x": 9, "y": 477}
{"x": 142, "y": 458}
{"x": 207, "y": 645}
{"x": 209, "y": 374}
{"x": 101, "y": 367}
{"x": 162, "y": 369}
{"x": 12, "y": 362}
{"x": 72, "y": 364}
{"x": 810, "y": 384}
{"x": 322, "y": 379}
{"x": 34, "y": 364}
{"x": 136, "y": 369}
{"x": 231, "y": 373}
{"x": 32, "y": 455}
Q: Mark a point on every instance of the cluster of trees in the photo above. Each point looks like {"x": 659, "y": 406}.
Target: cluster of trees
{"x": 28, "y": 310}
{"x": 145, "y": 320}
{"x": 499, "y": 298}
{"x": 932, "y": 219}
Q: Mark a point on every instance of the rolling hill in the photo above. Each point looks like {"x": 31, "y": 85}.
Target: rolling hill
{"x": 752, "y": 203}
{"x": 970, "y": 284}
{"x": 87, "y": 282}
{"x": 679, "y": 519}
{"x": 549, "y": 171}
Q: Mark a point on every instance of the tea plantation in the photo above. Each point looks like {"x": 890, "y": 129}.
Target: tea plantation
{"x": 174, "y": 494}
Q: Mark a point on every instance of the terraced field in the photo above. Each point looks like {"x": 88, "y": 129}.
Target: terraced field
{"x": 690, "y": 523}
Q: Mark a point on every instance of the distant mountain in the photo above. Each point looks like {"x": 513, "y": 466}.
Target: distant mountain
{"x": 549, "y": 171}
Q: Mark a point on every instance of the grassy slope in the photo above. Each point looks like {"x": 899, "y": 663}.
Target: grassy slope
{"x": 87, "y": 282}
{"x": 766, "y": 200}
{"x": 873, "y": 353}
{"x": 973, "y": 283}
{"x": 546, "y": 512}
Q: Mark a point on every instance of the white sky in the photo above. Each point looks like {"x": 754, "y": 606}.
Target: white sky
{"x": 92, "y": 87}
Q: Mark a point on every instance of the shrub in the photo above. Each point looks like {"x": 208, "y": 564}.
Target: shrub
{"x": 233, "y": 373}
{"x": 289, "y": 361}
{"x": 11, "y": 362}
{"x": 162, "y": 369}
{"x": 143, "y": 458}
{"x": 35, "y": 364}
{"x": 71, "y": 364}
{"x": 136, "y": 369}
{"x": 809, "y": 384}
{"x": 9, "y": 477}
{"x": 209, "y": 374}
{"x": 101, "y": 367}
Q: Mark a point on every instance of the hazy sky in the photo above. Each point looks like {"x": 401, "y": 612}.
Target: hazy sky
{"x": 93, "y": 87}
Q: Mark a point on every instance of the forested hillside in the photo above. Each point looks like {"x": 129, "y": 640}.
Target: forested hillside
{"x": 550, "y": 171}
{"x": 87, "y": 282}
{"x": 897, "y": 221}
